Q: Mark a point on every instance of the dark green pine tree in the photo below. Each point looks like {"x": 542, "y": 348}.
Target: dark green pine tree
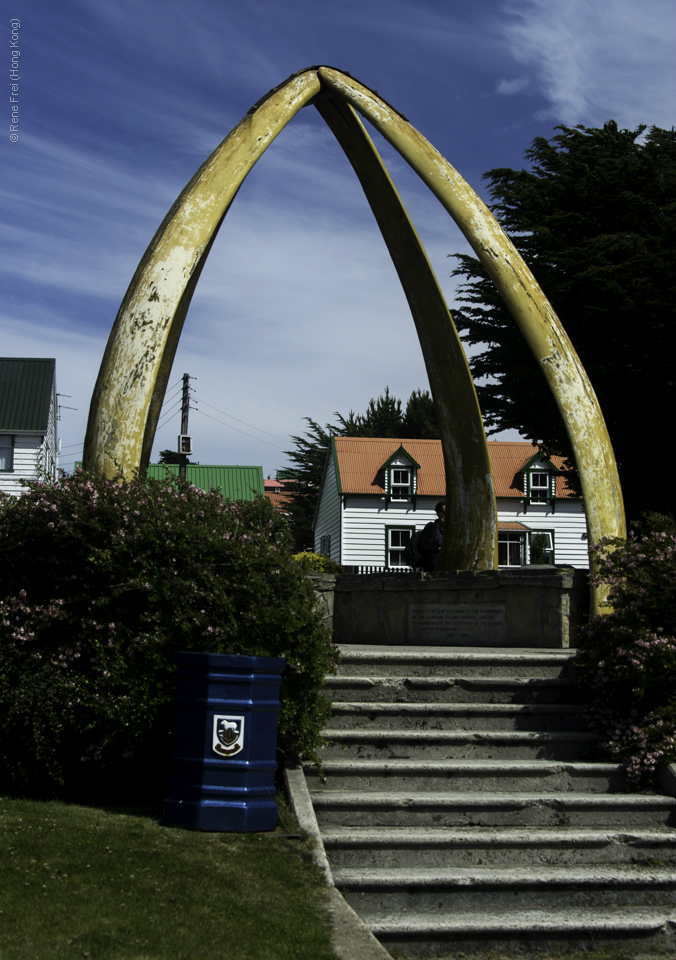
{"x": 594, "y": 218}
{"x": 384, "y": 417}
{"x": 170, "y": 456}
{"x": 420, "y": 421}
{"x": 308, "y": 459}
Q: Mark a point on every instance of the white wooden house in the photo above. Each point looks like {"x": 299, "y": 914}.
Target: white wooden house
{"x": 376, "y": 493}
{"x": 28, "y": 413}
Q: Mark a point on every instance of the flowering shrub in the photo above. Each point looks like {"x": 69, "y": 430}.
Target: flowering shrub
{"x": 316, "y": 563}
{"x": 627, "y": 661}
{"x": 101, "y": 582}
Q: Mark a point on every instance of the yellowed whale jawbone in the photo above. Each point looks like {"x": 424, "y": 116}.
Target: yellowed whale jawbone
{"x": 531, "y": 310}
{"x": 470, "y": 497}
{"x": 133, "y": 377}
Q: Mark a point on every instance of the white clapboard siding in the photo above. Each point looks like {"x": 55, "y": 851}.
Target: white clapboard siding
{"x": 365, "y": 521}
{"x": 328, "y": 519}
{"x": 26, "y": 460}
{"x": 567, "y": 521}
{"x": 358, "y": 524}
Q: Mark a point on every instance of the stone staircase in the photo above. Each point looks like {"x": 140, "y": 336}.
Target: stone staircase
{"x": 458, "y": 815}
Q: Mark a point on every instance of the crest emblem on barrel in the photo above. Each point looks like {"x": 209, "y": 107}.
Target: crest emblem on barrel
{"x": 228, "y": 735}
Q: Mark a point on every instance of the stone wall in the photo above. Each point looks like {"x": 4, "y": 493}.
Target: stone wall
{"x": 324, "y": 586}
{"x": 532, "y": 606}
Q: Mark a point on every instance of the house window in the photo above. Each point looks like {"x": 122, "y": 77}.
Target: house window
{"x": 511, "y": 549}
{"x": 397, "y": 538}
{"x": 542, "y": 546}
{"x": 540, "y": 483}
{"x": 325, "y": 545}
{"x": 401, "y": 484}
{"x": 6, "y": 452}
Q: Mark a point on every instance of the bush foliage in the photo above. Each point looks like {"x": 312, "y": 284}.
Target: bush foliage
{"x": 102, "y": 582}
{"x": 316, "y": 563}
{"x": 627, "y": 661}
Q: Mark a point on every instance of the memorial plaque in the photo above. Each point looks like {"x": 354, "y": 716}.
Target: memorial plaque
{"x": 458, "y": 624}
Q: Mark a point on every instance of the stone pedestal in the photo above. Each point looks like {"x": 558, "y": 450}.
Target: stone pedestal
{"x": 531, "y": 606}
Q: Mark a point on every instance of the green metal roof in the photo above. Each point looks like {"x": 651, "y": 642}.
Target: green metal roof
{"x": 235, "y": 483}
{"x": 25, "y": 393}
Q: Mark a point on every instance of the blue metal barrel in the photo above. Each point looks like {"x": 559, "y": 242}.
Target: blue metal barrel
{"x": 225, "y": 741}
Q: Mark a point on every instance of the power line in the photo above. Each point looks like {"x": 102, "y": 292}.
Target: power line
{"x": 168, "y": 417}
{"x": 259, "y": 439}
{"x": 267, "y": 433}
{"x": 167, "y": 399}
{"x": 169, "y": 414}
{"x": 180, "y": 380}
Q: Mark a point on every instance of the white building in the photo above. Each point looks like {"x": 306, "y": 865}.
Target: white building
{"x": 28, "y": 413}
{"x": 376, "y": 493}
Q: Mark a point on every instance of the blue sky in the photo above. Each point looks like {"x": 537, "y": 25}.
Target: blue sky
{"x": 298, "y": 311}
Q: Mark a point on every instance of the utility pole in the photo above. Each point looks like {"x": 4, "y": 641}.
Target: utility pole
{"x": 185, "y": 407}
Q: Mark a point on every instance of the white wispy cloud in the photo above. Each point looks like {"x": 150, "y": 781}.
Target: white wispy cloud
{"x": 507, "y": 88}
{"x": 298, "y": 311}
{"x": 596, "y": 59}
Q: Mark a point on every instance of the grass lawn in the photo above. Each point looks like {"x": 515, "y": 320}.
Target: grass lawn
{"x": 112, "y": 883}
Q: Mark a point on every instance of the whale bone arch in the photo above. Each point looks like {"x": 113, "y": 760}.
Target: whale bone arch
{"x": 137, "y": 361}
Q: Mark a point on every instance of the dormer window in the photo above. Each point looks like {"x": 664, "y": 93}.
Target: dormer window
{"x": 400, "y": 478}
{"x": 401, "y": 484}
{"x": 540, "y": 486}
{"x": 539, "y": 481}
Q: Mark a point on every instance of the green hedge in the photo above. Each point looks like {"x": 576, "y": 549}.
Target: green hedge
{"x": 101, "y": 582}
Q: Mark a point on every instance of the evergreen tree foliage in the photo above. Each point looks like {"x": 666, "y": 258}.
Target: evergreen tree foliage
{"x": 594, "y": 220}
{"x": 171, "y": 456}
{"x": 420, "y": 422}
{"x": 384, "y": 417}
{"x": 308, "y": 458}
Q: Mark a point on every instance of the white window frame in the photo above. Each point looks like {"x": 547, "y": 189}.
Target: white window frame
{"x": 536, "y": 491}
{"x": 509, "y": 537}
{"x": 398, "y": 548}
{"x": 399, "y": 490}
{"x": 552, "y": 543}
{"x": 7, "y": 444}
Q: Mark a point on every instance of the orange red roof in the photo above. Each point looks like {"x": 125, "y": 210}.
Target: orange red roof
{"x": 360, "y": 460}
{"x": 274, "y": 486}
{"x": 279, "y": 500}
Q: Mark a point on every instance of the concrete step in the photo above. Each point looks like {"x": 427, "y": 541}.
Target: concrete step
{"x": 369, "y": 744}
{"x": 448, "y": 689}
{"x": 435, "y": 808}
{"x": 383, "y": 891}
{"x": 456, "y": 716}
{"x": 457, "y": 815}
{"x": 409, "y": 661}
{"x": 499, "y": 847}
{"x": 637, "y": 930}
{"x": 456, "y": 776}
